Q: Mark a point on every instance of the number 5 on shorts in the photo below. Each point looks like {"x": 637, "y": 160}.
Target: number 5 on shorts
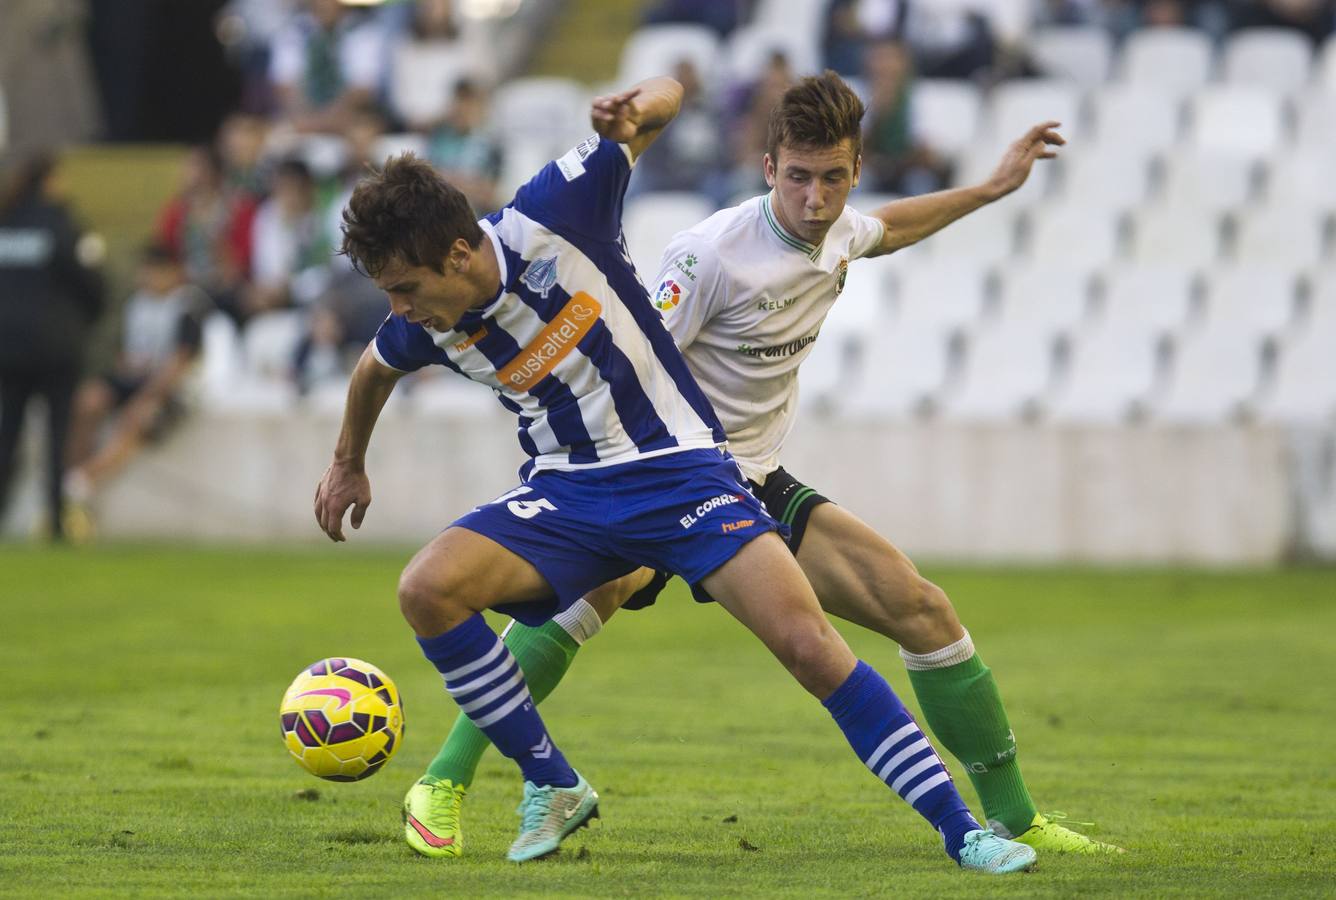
{"x": 527, "y": 509}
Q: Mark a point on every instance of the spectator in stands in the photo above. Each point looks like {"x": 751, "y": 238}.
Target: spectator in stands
{"x": 721, "y": 15}
{"x": 893, "y": 160}
{"x": 748, "y": 119}
{"x": 950, "y": 40}
{"x": 1314, "y": 18}
{"x": 241, "y": 143}
{"x": 50, "y": 295}
{"x": 161, "y": 326}
{"x": 207, "y": 226}
{"x": 436, "y": 50}
{"x": 290, "y": 247}
{"x": 463, "y": 150}
{"x": 687, "y": 156}
{"x": 850, "y": 25}
{"x": 343, "y": 321}
{"x": 326, "y": 65}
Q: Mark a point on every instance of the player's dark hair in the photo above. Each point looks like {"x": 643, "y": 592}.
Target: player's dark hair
{"x": 818, "y": 111}
{"x": 405, "y": 211}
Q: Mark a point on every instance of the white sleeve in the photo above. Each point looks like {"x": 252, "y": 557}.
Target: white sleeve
{"x": 868, "y": 233}
{"x": 690, "y": 289}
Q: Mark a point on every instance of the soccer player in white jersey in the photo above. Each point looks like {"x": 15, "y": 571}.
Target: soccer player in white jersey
{"x": 744, "y": 294}
{"x": 626, "y": 469}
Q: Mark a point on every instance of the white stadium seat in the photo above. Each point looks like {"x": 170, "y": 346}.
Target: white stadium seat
{"x": 1151, "y": 299}
{"x": 1208, "y": 181}
{"x": 1215, "y": 374}
{"x": 1007, "y": 373}
{"x": 1105, "y": 178}
{"x": 657, "y": 49}
{"x": 867, "y": 300}
{"x": 799, "y": 15}
{"x": 1180, "y": 235}
{"x": 1176, "y": 60}
{"x": 1074, "y": 234}
{"x": 827, "y": 372}
{"x": 400, "y": 142}
{"x": 1111, "y": 373}
{"x": 1293, "y": 236}
{"x": 939, "y": 297}
{"x": 986, "y": 237}
{"x": 749, "y": 50}
{"x": 1049, "y": 298}
{"x": 650, "y": 221}
{"x": 1303, "y": 389}
{"x": 553, "y": 112}
{"x": 1315, "y": 126}
{"x": 945, "y": 114}
{"x": 1254, "y": 300}
{"x": 1303, "y": 180}
{"x": 979, "y": 163}
{"x": 1083, "y": 54}
{"x": 899, "y": 376}
{"x": 1017, "y": 105}
{"x": 422, "y": 78}
{"x": 1277, "y": 58}
{"x": 1326, "y": 66}
{"x": 1136, "y": 118}
{"x": 1321, "y": 315}
{"x": 1241, "y": 120}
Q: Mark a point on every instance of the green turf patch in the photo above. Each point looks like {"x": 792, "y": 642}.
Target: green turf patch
{"x": 1186, "y": 715}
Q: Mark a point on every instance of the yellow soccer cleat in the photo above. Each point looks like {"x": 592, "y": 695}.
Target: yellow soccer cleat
{"x": 431, "y": 818}
{"x": 1047, "y": 835}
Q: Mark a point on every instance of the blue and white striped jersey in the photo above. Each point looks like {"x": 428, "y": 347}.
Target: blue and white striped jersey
{"x": 570, "y": 344}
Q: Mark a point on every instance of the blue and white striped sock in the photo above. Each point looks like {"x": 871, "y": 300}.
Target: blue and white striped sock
{"x": 489, "y": 687}
{"x": 889, "y": 742}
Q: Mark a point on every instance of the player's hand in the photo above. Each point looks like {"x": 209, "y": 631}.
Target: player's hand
{"x": 616, "y": 116}
{"x": 342, "y": 486}
{"x": 1014, "y": 169}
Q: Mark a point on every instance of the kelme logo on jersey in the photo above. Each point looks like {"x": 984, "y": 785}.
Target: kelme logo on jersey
{"x": 551, "y": 345}
{"x": 841, "y": 273}
{"x": 685, "y": 265}
{"x": 540, "y": 275}
{"x": 709, "y": 505}
{"x": 668, "y": 295}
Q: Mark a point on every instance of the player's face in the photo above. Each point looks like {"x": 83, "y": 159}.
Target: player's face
{"x": 420, "y": 294}
{"x": 811, "y": 186}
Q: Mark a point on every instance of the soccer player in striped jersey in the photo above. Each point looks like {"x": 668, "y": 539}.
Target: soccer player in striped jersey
{"x": 744, "y": 294}
{"x": 626, "y": 470}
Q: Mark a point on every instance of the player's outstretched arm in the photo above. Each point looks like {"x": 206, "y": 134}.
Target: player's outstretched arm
{"x": 344, "y": 483}
{"x": 635, "y": 116}
{"x": 910, "y": 220}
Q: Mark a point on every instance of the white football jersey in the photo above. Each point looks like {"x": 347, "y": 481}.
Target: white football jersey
{"x": 744, "y": 300}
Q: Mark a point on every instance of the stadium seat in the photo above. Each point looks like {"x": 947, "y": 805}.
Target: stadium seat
{"x": 1151, "y": 299}
{"x": 1326, "y": 66}
{"x": 1206, "y": 181}
{"x": 1215, "y": 374}
{"x": 798, "y": 15}
{"x": 1083, "y": 54}
{"x": 1111, "y": 373}
{"x": 1252, "y": 299}
{"x": 1239, "y": 120}
{"x": 550, "y": 112}
{"x": 1303, "y": 386}
{"x": 828, "y": 371}
{"x": 1007, "y": 372}
{"x": 1280, "y": 59}
{"x": 938, "y": 297}
{"x": 1136, "y": 118}
{"x": 1302, "y": 181}
{"x": 650, "y": 221}
{"x": 1315, "y": 114}
{"x": 1321, "y": 312}
{"x": 221, "y": 363}
{"x": 1179, "y": 235}
{"x": 657, "y": 49}
{"x": 981, "y": 160}
{"x": 269, "y": 343}
{"x": 1074, "y": 234}
{"x": 749, "y": 49}
{"x": 1050, "y": 298}
{"x": 1016, "y": 105}
{"x": 1106, "y": 179}
{"x": 325, "y": 154}
{"x": 422, "y": 79}
{"x": 392, "y": 144}
{"x": 1290, "y": 235}
{"x": 945, "y": 114}
{"x": 986, "y": 237}
{"x": 867, "y": 300}
{"x": 1174, "y": 60}
{"x": 902, "y": 379}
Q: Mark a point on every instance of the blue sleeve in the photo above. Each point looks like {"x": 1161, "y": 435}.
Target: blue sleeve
{"x": 402, "y": 345}
{"x": 581, "y": 192}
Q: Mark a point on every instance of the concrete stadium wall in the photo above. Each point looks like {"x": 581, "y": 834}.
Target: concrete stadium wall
{"x": 1237, "y": 495}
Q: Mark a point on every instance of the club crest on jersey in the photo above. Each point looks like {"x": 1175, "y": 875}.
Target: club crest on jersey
{"x": 668, "y": 295}
{"x": 841, "y": 272}
{"x": 541, "y": 275}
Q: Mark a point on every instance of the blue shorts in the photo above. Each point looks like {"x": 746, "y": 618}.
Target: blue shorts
{"x": 687, "y": 513}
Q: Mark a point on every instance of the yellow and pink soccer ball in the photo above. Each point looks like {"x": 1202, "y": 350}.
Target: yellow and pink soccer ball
{"x": 342, "y": 719}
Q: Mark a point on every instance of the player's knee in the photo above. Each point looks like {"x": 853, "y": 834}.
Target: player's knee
{"x": 426, "y": 599}
{"x": 813, "y": 655}
{"x": 929, "y": 621}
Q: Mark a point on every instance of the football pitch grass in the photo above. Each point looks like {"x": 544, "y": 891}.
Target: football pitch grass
{"x": 1188, "y": 716}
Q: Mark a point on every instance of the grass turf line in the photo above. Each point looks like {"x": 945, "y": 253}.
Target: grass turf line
{"x": 1186, "y": 714}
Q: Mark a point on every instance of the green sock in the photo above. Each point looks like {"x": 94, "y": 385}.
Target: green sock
{"x": 965, "y": 712}
{"x": 544, "y": 654}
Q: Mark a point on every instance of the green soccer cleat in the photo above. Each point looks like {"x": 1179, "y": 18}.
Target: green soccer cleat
{"x": 986, "y": 852}
{"x": 431, "y": 817}
{"x": 548, "y": 814}
{"x": 1047, "y": 835}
